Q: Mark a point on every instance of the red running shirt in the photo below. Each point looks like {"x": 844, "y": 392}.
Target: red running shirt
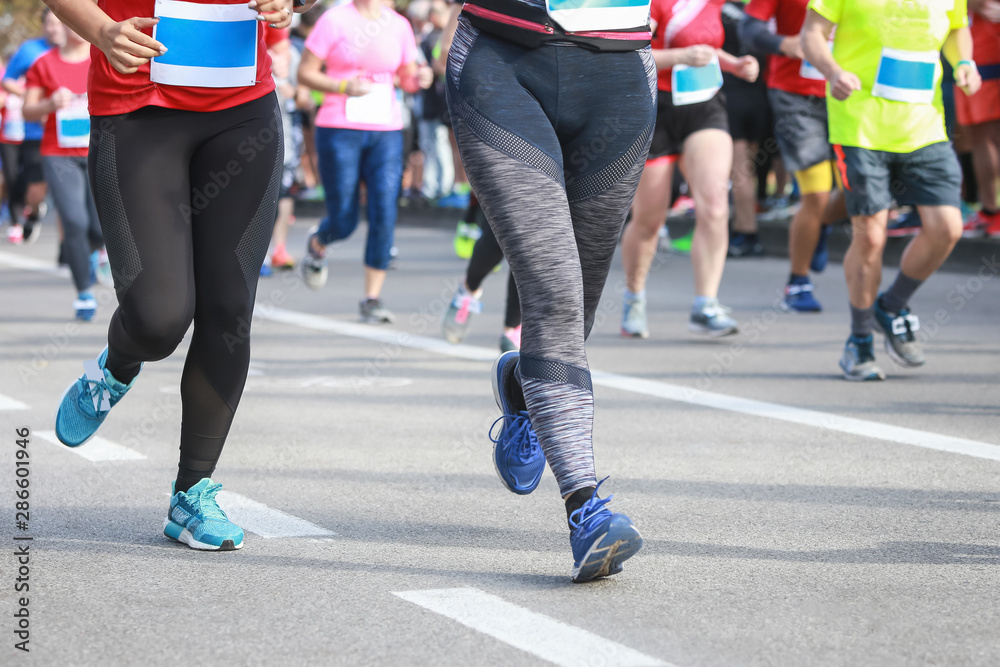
{"x": 50, "y": 73}
{"x": 782, "y": 71}
{"x": 985, "y": 40}
{"x": 683, "y": 23}
{"x": 113, "y": 93}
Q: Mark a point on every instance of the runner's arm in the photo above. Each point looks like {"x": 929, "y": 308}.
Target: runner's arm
{"x": 37, "y": 107}
{"x": 13, "y": 87}
{"x": 745, "y": 67}
{"x": 756, "y": 37}
{"x": 126, "y": 47}
{"x": 958, "y": 50}
{"x": 440, "y": 64}
{"x": 692, "y": 56}
{"x": 814, "y": 39}
{"x": 311, "y": 74}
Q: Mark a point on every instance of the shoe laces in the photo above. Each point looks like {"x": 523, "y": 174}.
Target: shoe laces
{"x": 716, "y": 309}
{"x": 93, "y": 392}
{"x": 517, "y": 434}
{"x": 466, "y": 303}
{"x": 206, "y": 503}
{"x": 864, "y": 350}
{"x": 904, "y": 324}
{"x": 592, "y": 512}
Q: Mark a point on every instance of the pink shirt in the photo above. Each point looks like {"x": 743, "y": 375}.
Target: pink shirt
{"x": 353, "y": 46}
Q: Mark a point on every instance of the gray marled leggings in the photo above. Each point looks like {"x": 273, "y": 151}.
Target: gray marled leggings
{"x": 554, "y": 140}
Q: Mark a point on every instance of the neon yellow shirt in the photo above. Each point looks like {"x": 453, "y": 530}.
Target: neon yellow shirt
{"x": 864, "y": 29}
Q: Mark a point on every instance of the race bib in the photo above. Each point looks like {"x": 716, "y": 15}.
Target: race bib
{"x": 208, "y": 46}
{"x": 691, "y": 85}
{"x": 591, "y": 15}
{"x": 907, "y": 76}
{"x": 375, "y": 108}
{"x": 73, "y": 124}
{"x": 13, "y": 121}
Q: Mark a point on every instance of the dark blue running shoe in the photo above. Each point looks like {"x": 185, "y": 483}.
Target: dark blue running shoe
{"x": 799, "y": 298}
{"x": 821, "y": 255}
{"x": 601, "y": 540}
{"x": 517, "y": 456}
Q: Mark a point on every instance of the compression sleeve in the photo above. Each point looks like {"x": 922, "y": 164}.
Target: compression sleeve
{"x": 756, "y": 37}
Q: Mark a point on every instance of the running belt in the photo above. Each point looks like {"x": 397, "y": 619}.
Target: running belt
{"x": 529, "y": 25}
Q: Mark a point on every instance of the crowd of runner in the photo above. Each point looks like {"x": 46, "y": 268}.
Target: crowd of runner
{"x": 826, "y": 112}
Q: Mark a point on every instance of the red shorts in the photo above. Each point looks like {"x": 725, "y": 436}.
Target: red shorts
{"x": 983, "y": 107}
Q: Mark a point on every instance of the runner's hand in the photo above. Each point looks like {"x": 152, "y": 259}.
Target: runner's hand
{"x": 843, "y": 84}
{"x": 277, "y": 13}
{"x": 968, "y": 79}
{"x": 357, "y": 87}
{"x": 747, "y": 68}
{"x": 127, "y": 47}
{"x": 425, "y": 77}
{"x": 62, "y": 98}
{"x": 991, "y": 11}
{"x": 697, "y": 56}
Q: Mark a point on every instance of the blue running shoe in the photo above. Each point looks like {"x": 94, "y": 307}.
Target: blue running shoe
{"x": 601, "y": 540}
{"x": 85, "y": 306}
{"x": 196, "y": 519}
{"x": 517, "y": 456}
{"x": 86, "y": 402}
{"x": 799, "y": 298}
{"x": 821, "y": 255}
{"x": 858, "y": 361}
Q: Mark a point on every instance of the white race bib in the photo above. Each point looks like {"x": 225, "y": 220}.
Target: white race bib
{"x": 208, "y": 46}
{"x": 375, "y": 108}
{"x": 907, "y": 76}
{"x": 13, "y": 120}
{"x": 597, "y": 15}
{"x": 691, "y": 85}
{"x": 73, "y": 124}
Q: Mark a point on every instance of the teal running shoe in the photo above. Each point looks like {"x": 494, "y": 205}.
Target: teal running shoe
{"x": 601, "y": 540}
{"x": 86, "y": 402}
{"x": 517, "y": 455}
{"x": 196, "y": 519}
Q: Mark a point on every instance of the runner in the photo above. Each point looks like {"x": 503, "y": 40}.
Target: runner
{"x": 20, "y": 141}
{"x": 553, "y": 113}
{"x": 359, "y": 133}
{"x": 887, "y": 126}
{"x": 980, "y": 117}
{"x": 691, "y": 122}
{"x": 185, "y": 168}
{"x": 57, "y": 90}
{"x": 485, "y": 258}
{"x": 798, "y": 99}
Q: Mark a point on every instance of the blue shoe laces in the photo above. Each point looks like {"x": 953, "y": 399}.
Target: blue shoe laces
{"x": 518, "y": 435}
{"x": 207, "y": 505}
{"x": 591, "y": 513}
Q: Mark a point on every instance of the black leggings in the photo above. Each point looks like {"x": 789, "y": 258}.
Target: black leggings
{"x": 187, "y": 202}
{"x": 486, "y": 255}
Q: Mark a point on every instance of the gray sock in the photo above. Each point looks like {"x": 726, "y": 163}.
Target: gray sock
{"x": 862, "y": 321}
{"x": 897, "y": 296}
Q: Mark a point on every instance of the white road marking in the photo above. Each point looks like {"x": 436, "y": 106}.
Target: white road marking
{"x": 96, "y": 450}
{"x": 11, "y": 404}
{"x": 262, "y": 520}
{"x": 672, "y": 392}
{"x": 541, "y": 636}
{"x": 31, "y": 264}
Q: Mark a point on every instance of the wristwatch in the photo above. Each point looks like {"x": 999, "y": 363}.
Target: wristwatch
{"x": 299, "y": 3}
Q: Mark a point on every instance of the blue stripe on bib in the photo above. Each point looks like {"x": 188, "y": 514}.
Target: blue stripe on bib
{"x": 907, "y": 74}
{"x": 559, "y": 5}
{"x": 694, "y": 79}
{"x": 74, "y": 127}
{"x": 207, "y": 43}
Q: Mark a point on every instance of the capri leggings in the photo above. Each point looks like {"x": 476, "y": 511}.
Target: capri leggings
{"x": 486, "y": 256}
{"x": 67, "y": 179}
{"x": 187, "y": 202}
{"x": 554, "y": 140}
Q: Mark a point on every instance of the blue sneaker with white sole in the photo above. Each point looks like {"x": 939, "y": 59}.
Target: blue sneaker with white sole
{"x": 799, "y": 297}
{"x": 601, "y": 539}
{"x": 196, "y": 519}
{"x": 517, "y": 456}
{"x": 86, "y": 403}
{"x": 821, "y": 255}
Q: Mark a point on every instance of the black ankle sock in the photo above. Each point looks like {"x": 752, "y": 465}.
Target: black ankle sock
{"x": 185, "y": 482}
{"x": 578, "y": 498}
{"x": 514, "y": 390}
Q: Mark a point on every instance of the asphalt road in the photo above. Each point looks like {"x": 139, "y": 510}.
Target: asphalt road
{"x": 790, "y": 518}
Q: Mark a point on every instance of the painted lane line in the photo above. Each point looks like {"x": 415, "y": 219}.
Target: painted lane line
{"x": 832, "y": 422}
{"x": 97, "y": 450}
{"x": 541, "y": 636}
{"x": 11, "y": 404}
{"x": 262, "y": 520}
{"x": 31, "y": 264}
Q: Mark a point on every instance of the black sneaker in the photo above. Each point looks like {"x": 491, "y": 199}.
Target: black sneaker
{"x": 373, "y": 312}
{"x": 900, "y": 342}
{"x": 745, "y": 245}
